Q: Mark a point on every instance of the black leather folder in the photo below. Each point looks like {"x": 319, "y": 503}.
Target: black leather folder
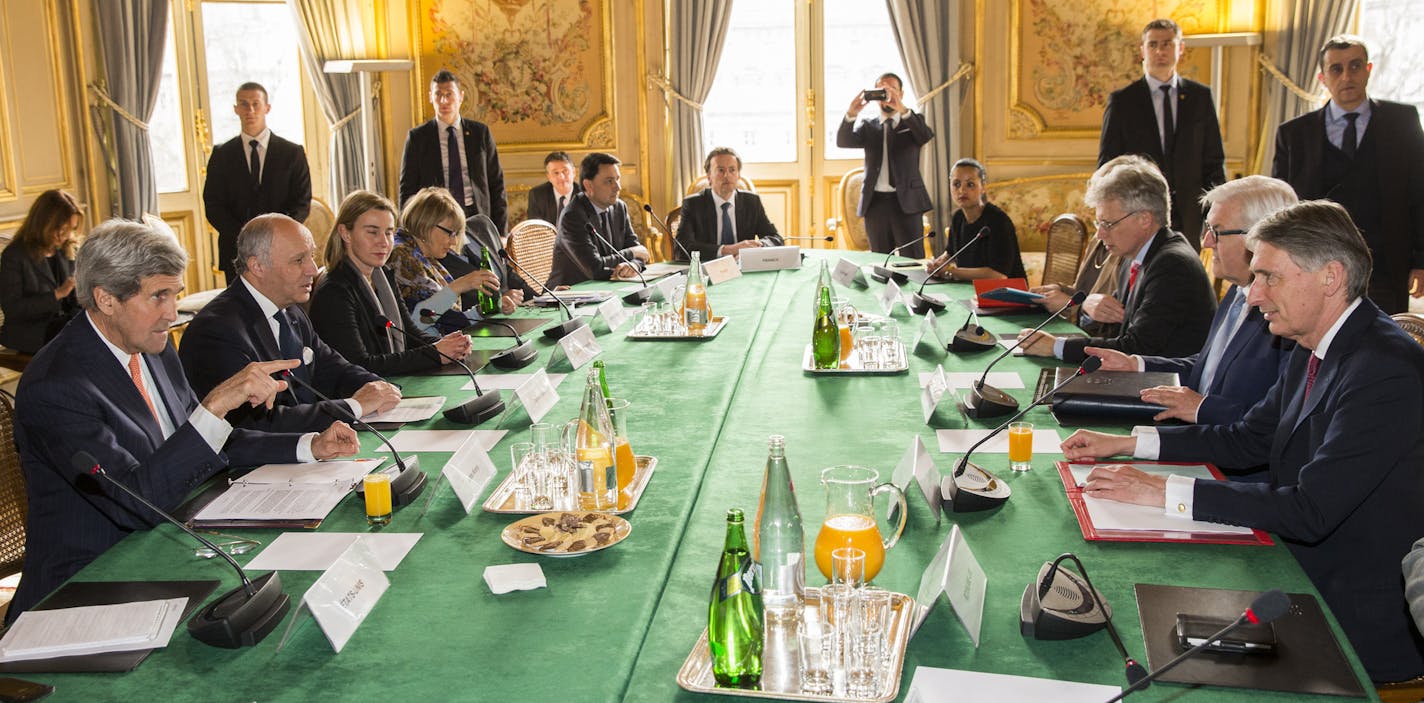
{"x": 1107, "y": 396}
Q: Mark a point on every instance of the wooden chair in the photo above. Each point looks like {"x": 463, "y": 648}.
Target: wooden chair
{"x": 1411, "y": 691}
{"x": 321, "y": 220}
{"x": 531, "y": 245}
{"x": 13, "y": 501}
{"x": 1064, "y": 253}
{"x": 1413, "y": 323}
{"x": 674, "y": 223}
{"x": 848, "y": 227}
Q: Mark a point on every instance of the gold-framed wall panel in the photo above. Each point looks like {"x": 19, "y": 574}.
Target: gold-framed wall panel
{"x": 9, "y": 189}
{"x": 60, "y": 100}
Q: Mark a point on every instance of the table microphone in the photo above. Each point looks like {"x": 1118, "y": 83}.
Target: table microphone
{"x": 919, "y": 303}
{"x": 987, "y": 401}
{"x": 555, "y": 332}
{"x": 241, "y": 617}
{"x": 516, "y": 357}
{"x": 474, "y": 411}
{"x": 637, "y": 297}
{"x": 882, "y": 273}
{"x": 1063, "y": 616}
{"x": 1267, "y": 607}
{"x": 671, "y": 235}
{"x": 407, "y": 484}
{"x": 986, "y": 490}
{"x": 809, "y": 239}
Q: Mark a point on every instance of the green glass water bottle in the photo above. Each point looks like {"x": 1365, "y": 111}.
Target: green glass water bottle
{"x": 826, "y": 336}
{"x": 488, "y": 302}
{"x": 734, "y": 617}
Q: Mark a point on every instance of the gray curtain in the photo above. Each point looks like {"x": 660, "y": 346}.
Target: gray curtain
{"x": 698, "y": 31}
{"x": 132, "y": 36}
{"x": 929, "y": 47}
{"x": 1295, "y": 51}
{"x": 327, "y": 30}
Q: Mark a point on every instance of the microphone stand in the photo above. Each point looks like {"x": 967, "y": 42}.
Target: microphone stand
{"x": 407, "y": 484}
{"x": 555, "y": 332}
{"x": 1031, "y": 608}
{"x": 919, "y": 303}
{"x": 882, "y": 273}
{"x": 241, "y": 617}
{"x": 987, "y": 401}
{"x": 637, "y": 297}
{"x": 671, "y": 234}
{"x": 475, "y": 411}
{"x": 516, "y": 357}
{"x": 987, "y": 491}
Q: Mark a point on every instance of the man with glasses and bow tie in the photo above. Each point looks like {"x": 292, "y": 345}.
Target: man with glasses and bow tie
{"x": 1367, "y": 155}
{"x": 260, "y": 318}
{"x": 1168, "y": 302}
{"x": 1340, "y": 432}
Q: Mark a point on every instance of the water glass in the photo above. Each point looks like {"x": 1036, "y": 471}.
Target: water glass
{"x": 867, "y": 346}
{"x": 815, "y": 644}
{"x": 848, "y": 567}
{"x": 521, "y": 456}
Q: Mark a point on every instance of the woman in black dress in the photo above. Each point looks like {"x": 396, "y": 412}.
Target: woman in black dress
{"x": 37, "y": 273}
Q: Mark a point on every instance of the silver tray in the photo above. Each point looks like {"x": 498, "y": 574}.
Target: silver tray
{"x": 504, "y": 501}
{"x": 713, "y": 327}
{"x": 696, "y": 672}
{"x": 851, "y": 366}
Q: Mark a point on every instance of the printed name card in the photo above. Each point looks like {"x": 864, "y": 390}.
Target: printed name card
{"x": 927, "y": 339}
{"x": 613, "y": 313}
{"x": 667, "y": 287}
{"x": 890, "y": 296}
{"x": 343, "y": 596}
{"x": 537, "y": 395}
{"x": 721, "y": 269}
{"x": 848, "y": 273}
{"x": 469, "y": 471}
{"x": 916, "y": 464}
{"x": 955, "y": 572}
{"x": 933, "y": 392}
{"x": 577, "y": 348}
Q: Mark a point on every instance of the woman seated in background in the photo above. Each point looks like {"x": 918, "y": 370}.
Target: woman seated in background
{"x": 432, "y": 223}
{"x": 37, "y": 273}
{"x": 358, "y": 291}
{"x": 996, "y": 255}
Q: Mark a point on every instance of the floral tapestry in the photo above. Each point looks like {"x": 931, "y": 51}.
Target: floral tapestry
{"x": 535, "y": 70}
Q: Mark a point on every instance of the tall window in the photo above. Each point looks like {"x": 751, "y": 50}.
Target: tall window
{"x": 253, "y": 41}
{"x": 752, "y": 106}
{"x": 860, "y": 46}
{"x": 1391, "y": 27}
{"x": 165, "y": 129}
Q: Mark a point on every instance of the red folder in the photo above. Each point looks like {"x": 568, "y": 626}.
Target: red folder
{"x": 982, "y": 286}
{"x": 1093, "y": 534}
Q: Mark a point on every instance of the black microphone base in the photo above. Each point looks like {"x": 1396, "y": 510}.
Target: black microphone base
{"x": 515, "y": 357}
{"x": 972, "y": 338}
{"x": 921, "y": 304}
{"x": 973, "y": 491}
{"x": 236, "y": 619}
{"x": 984, "y": 400}
{"x": 640, "y": 296}
{"x": 477, "y": 410}
{"x": 882, "y": 274}
{"x": 559, "y": 331}
{"x": 408, "y": 484}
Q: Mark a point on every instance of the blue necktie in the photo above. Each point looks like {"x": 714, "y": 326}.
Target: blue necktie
{"x": 290, "y": 347}
{"x": 454, "y": 182}
{"x": 729, "y": 235}
{"x": 1219, "y": 344}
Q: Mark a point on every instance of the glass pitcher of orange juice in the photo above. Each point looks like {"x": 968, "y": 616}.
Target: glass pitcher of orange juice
{"x": 850, "y": 517}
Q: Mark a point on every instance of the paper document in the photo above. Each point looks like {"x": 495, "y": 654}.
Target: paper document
{"x": 417, "y": 409}
{"x": 343, "y": 473}
{"x": 933, "y": 685}
{"x": 966, "y": 379}
{"x": 442, "y": 440}
{"x": 286, "y": 501}
{"x": 1112, "y": 515}
{"x": 510, "y": 381}
{"x": 93, "y": 629}
{"x": 959, "y": 441}
{"x": 317, "y": 551}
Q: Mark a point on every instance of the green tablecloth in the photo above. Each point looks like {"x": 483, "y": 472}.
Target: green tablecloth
{"x": 617, "y": 624}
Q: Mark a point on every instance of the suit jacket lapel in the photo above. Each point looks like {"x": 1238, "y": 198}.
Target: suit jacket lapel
{"x": 172, "y": 401}
{"x": 109, "y": 371}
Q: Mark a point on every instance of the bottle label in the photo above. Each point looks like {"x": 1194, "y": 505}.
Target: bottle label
{"x": 747, "y": 578}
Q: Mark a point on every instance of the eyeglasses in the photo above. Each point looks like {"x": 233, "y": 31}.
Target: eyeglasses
{"x": 1104, "y": 226}
{"x": 1210, "y": 230}
{"x": 448, "y": 232}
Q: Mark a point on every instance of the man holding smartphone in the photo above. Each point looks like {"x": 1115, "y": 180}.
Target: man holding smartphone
{"x": 893, "y": 196}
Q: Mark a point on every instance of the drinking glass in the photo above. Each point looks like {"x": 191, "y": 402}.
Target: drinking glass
{"x": 815, "y": 644}
{"x": 377, "y": 487}
{"x": 848, "y": 567}
{"x": 1021, "y": 446}
{"x": 867, "y": 345}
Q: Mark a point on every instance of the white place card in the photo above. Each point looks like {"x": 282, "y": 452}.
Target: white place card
{"x": 667, "y": 287}
{"x": 469, "y": 472}
{"x": 721, "y": 269}
{"x": 967, "y": 379}
{"x": 927, "y": 340}
{"x": 317, "y": 551}
{"x": 916, "y": 464}
{"x": 576, "y": 348}
{"x": 613, "y": 313}
{"x": 344, "y": 595}
{"x": 442, "y": 440}
{"x": 849, "y": 274}
{"x": 933, "y": 391}
{"x": 955, "y": 572}
{"x": 933, "y": 685}
{"x": 1045, "y": 441}
{"x": 537, "y": 395}
{"x": 510, "y": 381}
{"x": 769, "y": 258}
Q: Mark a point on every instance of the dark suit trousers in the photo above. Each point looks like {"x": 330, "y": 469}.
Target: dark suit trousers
{"x": 887, "y": 227}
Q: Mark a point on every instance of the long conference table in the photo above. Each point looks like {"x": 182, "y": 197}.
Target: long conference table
{"x": 616, "y": 625}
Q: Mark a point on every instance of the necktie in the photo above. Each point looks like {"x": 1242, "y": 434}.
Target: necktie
{"x": 137, "y": 377}
{"x": 1132, "y": 276}
{"x": 1168, "y": 127}
{"x": 254, "y": 165}
{"x": 1311, "y": 369}
{"x": 607, "y": 226}
{"x": 290, "y": 347}
{"x": 890, "y": 170}
{"x": 1349, "y": 141}
{"x": 561, "y": 206}
{"x": 729, "y": 235}
{"x": 454, "y": 182}
{"x": 1219, "y": 342}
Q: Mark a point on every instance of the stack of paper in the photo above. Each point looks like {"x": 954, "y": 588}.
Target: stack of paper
{"x": 93, "y": 629}
{"x": 288, "y": 491}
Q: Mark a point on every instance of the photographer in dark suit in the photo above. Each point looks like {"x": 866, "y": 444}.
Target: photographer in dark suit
{"x": 579, "y": 256}
{"x": 894, "y": 196}
{"x": 1340, "y": 431}
{"x": 1367, "y": 155}
{"x": 721, "y": 220}
{"x": 454, "y": 153}
{"x": 252, "y": 174}
{"x": 548, "y": 199}
{"x": 1170, "y": 120}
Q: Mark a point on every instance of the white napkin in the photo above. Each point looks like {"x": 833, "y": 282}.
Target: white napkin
{"x": 503, "y": 578}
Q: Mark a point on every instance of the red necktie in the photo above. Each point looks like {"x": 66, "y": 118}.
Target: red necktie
{"x": 1310, "y": 370}
{"x": 1132, "y": 275}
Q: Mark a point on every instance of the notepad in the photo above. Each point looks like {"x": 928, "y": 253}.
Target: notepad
{"x": 92, "y": 629}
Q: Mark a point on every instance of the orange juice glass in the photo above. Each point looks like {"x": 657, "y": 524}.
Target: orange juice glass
{"x": 377, "y": 488}
{"x": 1021, "y": 446}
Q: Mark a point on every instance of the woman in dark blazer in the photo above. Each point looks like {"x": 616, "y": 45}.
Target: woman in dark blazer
{"x": 37, "y": 273}
{"x": 358, "y": 290}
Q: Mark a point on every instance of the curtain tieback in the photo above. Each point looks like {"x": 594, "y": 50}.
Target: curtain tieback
{"x": 1270, "y": 67}
{"x": 662, "y": 83}
{"x": 103, "y": 97}
{"x": 345, "y": 120}
{"x": 966, "y": 70}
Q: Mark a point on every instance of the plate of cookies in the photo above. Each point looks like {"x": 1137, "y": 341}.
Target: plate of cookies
{"x": 566, "y": 533}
